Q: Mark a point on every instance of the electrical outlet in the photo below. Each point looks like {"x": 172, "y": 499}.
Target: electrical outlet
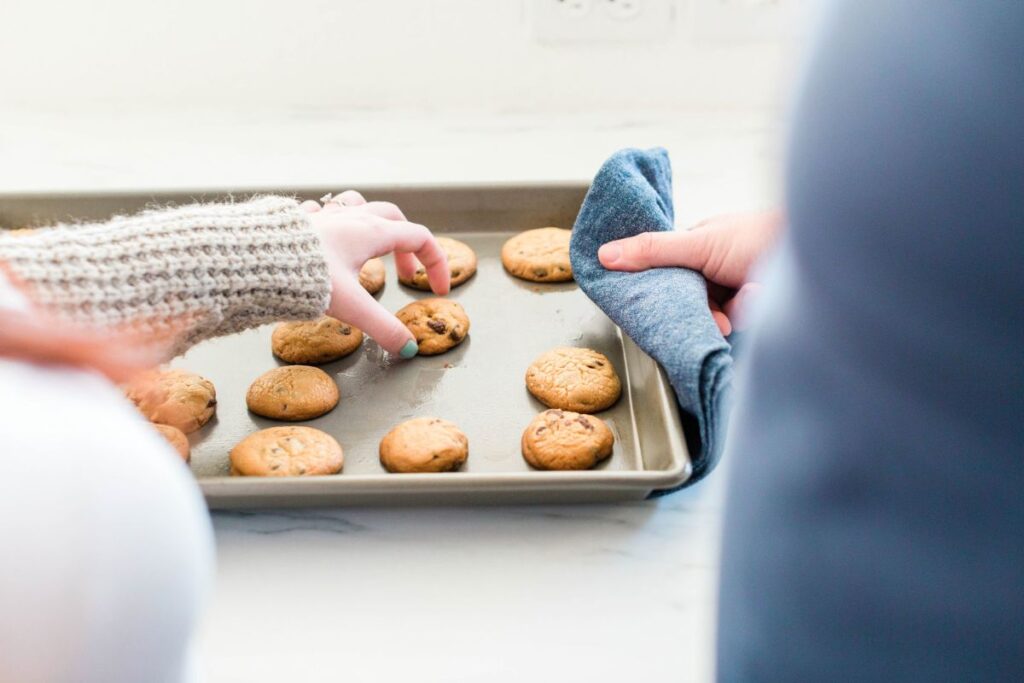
{"x": 575, "y": 9}
{"x": 745, "y": 21}
{"x": 623, "y": 10}
{"x": 594, "y": 22}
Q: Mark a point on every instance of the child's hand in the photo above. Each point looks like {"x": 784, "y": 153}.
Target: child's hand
{"x": 723, "y": 249}
{"x": 353, "y": 231}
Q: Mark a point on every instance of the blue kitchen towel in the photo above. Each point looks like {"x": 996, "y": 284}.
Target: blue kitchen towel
{"x": 664, "y": 310}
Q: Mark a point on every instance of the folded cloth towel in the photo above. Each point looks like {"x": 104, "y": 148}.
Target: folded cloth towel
{"x": 664, "y": 310}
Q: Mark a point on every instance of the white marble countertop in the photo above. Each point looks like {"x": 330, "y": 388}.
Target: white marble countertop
{"x": 574, "y": 593}
{"x": 597, "y": 593}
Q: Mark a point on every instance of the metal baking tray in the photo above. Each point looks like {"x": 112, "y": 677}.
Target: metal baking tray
{"x": 479, "y": 385}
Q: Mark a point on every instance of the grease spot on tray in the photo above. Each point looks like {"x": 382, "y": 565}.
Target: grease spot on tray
{"x": 425, "y": 388}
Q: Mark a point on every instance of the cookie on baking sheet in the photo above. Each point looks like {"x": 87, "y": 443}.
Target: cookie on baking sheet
{"x": 540, "y": 255}
{"x": 314, "y": 341}
{"x": 461, "y": 264}
{"x": 576, "y": 379}
{"x": 177, "y": 439}
{"x": 564, "y": 440}
{"x": 424, "y": 444}
{"x": 437, "y": 324}
{"x": 173, "y": 397}
{"x": 371, "y": 275}
{"x": 291, "y": 451}
{"x": 292, "y": 393}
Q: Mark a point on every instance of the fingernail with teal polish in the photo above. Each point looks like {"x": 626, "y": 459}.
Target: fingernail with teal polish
{"x": 409, "y": 350}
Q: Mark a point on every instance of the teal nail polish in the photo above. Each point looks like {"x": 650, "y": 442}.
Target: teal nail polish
{"x": 409, "y": 350}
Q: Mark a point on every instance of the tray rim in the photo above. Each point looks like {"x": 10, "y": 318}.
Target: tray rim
{"x": 286, "y": 189}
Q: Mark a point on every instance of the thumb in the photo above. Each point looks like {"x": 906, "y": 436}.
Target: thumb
{"x": 353, "y": 304}
{"x": 688, "y": 249}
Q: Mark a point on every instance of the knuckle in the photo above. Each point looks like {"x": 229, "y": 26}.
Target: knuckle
{"x": 351, "y": 199}
{"x": 374, "y": 223}
{"x": 390, "y": 211}
{"x": 644, "y": 246}
{"x": 423, "y": 238}
{"x": 422, "y": 233}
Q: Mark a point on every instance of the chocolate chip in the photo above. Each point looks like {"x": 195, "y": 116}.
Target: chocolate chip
{"x": 540, "y": 429}
{"x": 600, "y": 363}
{"x": 437, "y": 326}
{"x": 455, "y": 335}
{"x": 540, "y": 272}
{"x": 585, "y": 422}
{"x": 346, "y": 330}
{"x": 211, "y": 403}
{"x": 456, "y": 272}
{"x": 591, "y": 366}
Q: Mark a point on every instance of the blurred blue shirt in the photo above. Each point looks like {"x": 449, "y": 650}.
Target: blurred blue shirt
{"x": 875, "y": 523}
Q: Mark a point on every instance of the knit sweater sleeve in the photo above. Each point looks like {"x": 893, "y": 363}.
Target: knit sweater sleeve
{"x": 180, "y": 275}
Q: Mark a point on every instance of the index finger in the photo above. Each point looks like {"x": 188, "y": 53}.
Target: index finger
{"x": 405, "y": 237}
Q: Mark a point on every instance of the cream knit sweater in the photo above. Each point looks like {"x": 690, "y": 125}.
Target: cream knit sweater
{"x": 179, "y": 275}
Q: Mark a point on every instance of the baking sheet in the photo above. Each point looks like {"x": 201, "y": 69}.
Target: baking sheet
{"x": 479, "y": 385}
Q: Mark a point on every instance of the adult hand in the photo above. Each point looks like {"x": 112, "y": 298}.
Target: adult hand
{"x": 353, "y": 231}
{"x": 723, "y": 249}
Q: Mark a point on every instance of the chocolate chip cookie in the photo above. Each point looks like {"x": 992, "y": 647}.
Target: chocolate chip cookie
{"x": 461, "y": 264}
{"x": 424, "y": 444}
{"x": 371, "y": 275}
{"x": 540, "y": 255}
{"x": 437, "y": 324}
{"x": 315, "y": 341}
{"x": 177, "y": 439}
{"x": 287, "y": 452}
{"x": 576, "y": 379}
{"x": 292, "y": 393}
{"x": 564, "y": 440}
{"x": 174, "y": 397}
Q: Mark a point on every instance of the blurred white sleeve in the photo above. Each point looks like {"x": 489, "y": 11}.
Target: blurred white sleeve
{"x": 107, "y": 550}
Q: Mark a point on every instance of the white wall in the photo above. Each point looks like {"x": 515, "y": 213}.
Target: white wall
{"x": 355, "y": 54}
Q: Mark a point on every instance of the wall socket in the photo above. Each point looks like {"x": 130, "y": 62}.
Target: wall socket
{"x": 595, "y": 22}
